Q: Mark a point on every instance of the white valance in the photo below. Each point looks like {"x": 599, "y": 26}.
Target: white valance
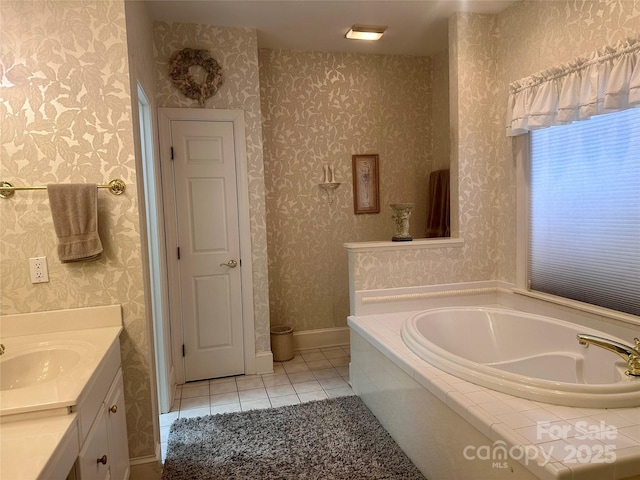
{"x": 605, "y": 81}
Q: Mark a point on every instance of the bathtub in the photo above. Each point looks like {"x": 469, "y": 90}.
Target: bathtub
{"x": 525, "y": 355}
{"x": 453, "y": 427}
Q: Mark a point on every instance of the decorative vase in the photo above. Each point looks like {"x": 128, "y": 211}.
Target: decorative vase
{"x": 401, "y": 215}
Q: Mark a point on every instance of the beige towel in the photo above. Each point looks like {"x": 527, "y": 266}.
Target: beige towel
{"x": 74, "y": 208}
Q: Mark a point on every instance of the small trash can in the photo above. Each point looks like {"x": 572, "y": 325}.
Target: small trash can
{"x": 282, "y": 342}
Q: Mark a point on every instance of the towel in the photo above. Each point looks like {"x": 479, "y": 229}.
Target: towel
{"x": 438, "y": 215}
{"x": 74, "y": 208}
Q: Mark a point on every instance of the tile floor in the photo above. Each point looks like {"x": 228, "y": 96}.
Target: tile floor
{"x": 310, "y": 375}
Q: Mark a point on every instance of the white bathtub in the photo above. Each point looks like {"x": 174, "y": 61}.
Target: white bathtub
{"x": 529, "y": 356}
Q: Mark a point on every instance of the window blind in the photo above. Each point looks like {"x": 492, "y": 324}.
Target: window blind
{"x": 584, "y": 218}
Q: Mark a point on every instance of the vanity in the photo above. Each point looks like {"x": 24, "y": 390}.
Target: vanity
{"x": 62, "y": 412}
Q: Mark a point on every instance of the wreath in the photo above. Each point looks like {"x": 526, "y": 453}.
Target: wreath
{"x": 179, "y": 73}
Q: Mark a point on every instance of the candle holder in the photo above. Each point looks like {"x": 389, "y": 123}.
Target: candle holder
{"x": 329, "y": 188}
{"x": 329, "y": 183}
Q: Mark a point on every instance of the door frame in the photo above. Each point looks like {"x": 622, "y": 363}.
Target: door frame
{"x": 236, "y": 117}
{"x": 152, "y": 232}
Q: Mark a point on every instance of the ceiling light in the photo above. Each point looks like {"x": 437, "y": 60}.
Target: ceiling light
{"x": 366, "y": 32}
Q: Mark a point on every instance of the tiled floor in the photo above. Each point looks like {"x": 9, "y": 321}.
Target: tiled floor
{"x": 310, "y": 375}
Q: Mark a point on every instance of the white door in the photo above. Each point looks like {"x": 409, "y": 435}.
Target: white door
{"x": 206, "y": 205}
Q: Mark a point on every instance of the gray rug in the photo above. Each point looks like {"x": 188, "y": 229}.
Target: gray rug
{"x": 327, "y": 439}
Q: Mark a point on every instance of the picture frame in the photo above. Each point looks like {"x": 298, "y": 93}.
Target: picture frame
{"x": 366, "y": 183}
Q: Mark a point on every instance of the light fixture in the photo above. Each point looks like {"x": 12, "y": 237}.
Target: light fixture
{"x": 366, "y": 32}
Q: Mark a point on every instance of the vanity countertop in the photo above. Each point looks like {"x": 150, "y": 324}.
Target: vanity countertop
{"x": 39, "y": 433}
{"x": 42, "y": 448}
{"x": 88, "y": 346}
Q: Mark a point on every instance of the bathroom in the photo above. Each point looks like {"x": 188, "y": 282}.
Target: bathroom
{"x": 489, "y": 52}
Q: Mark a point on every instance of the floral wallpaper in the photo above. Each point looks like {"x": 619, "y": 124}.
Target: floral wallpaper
{"x": 236, "y": 50}
{"x": 321, "y": 108}
{"x": 66, "y": 117}
{"x": 487, "y": 52}
{"x": 471, "y": 69}
{"x": 535, "y": 36}
{"x": 441, "y": 150}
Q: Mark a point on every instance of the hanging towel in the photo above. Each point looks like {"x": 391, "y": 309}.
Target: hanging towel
{"x": 438, "y": 216}
{"x": 74, "y": 208}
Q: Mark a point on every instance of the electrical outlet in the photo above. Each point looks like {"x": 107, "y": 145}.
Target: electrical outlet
{"x": 38, "y": 270}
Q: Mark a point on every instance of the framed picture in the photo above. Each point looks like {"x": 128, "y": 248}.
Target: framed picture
{"x": 366, "y": 190}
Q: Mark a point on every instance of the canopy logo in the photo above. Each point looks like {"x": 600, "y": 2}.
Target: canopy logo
{"x": 584, "y": 443}
{"x": 498, "y": 453}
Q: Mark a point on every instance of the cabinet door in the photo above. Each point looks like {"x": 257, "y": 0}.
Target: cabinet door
{"x": 117, "y": 430}
{"x": 93, "y": 461}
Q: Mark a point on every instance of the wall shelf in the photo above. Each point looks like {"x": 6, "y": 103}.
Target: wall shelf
{"x": 329, "y": 188}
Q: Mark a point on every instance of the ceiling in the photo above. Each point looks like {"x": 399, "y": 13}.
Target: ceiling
{"x": 415, "y": 27}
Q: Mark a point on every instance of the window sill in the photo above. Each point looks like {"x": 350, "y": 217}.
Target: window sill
{"x": 583, "y": 307}
{"x": 419, "y": 244}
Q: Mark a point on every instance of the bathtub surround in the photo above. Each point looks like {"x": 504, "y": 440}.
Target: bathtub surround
{"x": 430, "y": 407}
{"x": 334, "y": 438}
{"x": 424, "y": 420}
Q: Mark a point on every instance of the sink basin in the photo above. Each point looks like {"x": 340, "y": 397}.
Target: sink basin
{"x": 37, "y": 365}
{"x": 51, "y": 359}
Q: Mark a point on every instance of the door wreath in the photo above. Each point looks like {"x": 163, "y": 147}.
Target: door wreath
{"x": 179, "y": 73}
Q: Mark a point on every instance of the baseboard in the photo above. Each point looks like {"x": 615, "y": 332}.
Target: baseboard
{"x": 264, "y": 362}
{"x": 146, "y": 471}
{"x": 320, "y": 338}
{"x": 148, "y": 467}
{"x": 147, "y": 458}
{"x": 305, "y": 340}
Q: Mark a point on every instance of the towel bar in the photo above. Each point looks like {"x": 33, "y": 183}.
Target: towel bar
{"x": 116, "y": 187}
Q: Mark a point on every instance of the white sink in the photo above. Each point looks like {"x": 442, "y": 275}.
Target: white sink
{"x": 44, "y": 372}
{"x": 37, "y": 365}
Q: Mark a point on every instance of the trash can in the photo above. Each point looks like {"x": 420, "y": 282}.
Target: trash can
{"x": 282, "y": 342}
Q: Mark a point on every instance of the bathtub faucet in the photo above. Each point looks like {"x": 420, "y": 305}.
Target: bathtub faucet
{"x": 630, "y": 354}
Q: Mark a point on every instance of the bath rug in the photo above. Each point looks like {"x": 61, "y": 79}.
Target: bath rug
{"x": 326, "y": 439}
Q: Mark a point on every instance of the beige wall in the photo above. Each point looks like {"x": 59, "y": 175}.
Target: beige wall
{"x": 66, "y": 117}
{"x": 487, "y": 53}
{"x": 472, "y": 114}
{"x": 535, "y": 36}
{"x": 440, "y": 112}
{"x": 236, "y": 50}
{"x": 321, "y": 108}
{"x": 140, "y": 49}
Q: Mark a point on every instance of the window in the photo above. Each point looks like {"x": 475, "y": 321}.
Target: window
{"x": 584, "y": 211}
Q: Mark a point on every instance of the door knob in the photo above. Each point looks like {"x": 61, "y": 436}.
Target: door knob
{"x": 231, "y": 264}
